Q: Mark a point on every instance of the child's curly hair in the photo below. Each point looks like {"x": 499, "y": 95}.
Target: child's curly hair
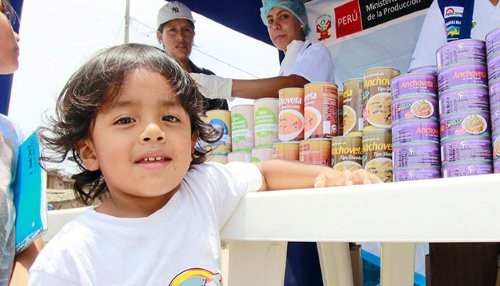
{"x": 97, "y": 83}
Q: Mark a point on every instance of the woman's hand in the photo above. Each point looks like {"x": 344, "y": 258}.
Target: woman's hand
{"x": 333, "y": 178}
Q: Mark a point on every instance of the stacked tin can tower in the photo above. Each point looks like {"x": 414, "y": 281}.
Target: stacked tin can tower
{"x": 346, "y": 149}
{"x": 308, "y": 118}
{"x": 377, "y": 121}
{"x": 255, "y": 129}
{"x": 493, "y": 67}
{"x": 464, "y": 111}
{"x": 265, "y": 128}
{"x": 415, "y": 130}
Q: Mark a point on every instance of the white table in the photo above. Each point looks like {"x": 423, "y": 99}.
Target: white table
{"x": 461, "y": 209}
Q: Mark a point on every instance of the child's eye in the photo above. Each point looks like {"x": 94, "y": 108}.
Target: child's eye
{"x": 124, "y": 120}
{"x": 170, "y": 118}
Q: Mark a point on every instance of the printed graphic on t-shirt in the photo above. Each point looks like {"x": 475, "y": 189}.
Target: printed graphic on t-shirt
{"x": 453, "y": 19}
{"x": 197, "y": 277}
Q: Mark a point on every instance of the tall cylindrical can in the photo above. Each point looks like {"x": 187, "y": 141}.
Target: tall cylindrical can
{"x": 242, "y": 127}
{"x": 220, "y": 120}
{"x": 353, "y": 107}
{"x": 316, "y": 151}
{"x": 347, "y": 153}
{"x": 377, "y": 153}
{"x": 266, "y": 121}
{"x": 286, "y": 150}
{"x": 320, "y": 110}
{"x": 377, "y": 97}
{"x": 291, "y": 114}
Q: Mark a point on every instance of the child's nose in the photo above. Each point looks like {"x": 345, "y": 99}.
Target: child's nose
{"x": 152, "y": 133}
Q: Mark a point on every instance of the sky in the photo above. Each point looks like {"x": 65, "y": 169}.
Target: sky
{"x": 58, "y": 36}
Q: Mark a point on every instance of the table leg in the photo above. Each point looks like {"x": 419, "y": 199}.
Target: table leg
{"x": 256, "y": 263}
{"x": 335, "y": 261}
{"x": 397, "y": 262}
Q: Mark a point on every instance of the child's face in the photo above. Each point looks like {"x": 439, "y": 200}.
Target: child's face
{"x": 142, "y": 143}
{"x": 9, "y": 50}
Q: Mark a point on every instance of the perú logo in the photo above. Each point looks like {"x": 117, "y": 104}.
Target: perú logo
{"x": 323, "y": 25}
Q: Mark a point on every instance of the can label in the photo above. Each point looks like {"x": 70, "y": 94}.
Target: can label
{"x": 495, "y": 118}
{"x": 496, "y": 152}
{"x": 415, "y": 131}
{"x": 377, "y": 98}
{"x": 416, "y": 156}
{"x": 414, "y": 107}
{"x": 320, "y": 110}
{"x": 315, "y": 151}
{"x": 494, "y": 67}
{"x": 494, "y": 89}
{"x": 464, "y": 124}
{"x": 220, "y": 120}
{"x": 408, "y": 84}
{"x": 291, "y": 114}
{"x": 465, "y": 51}
{"x": 266, "y": 121}
{"x": 466, "y": 149}
{"x": 411, "y": 174}
{"x": 496, "y": 146}
{"x": 462, "y": 75}
{"x": 493, "y": 41}
{"x": 377, "y": 153}
{"x": 458, "y": 100}
{"x": 352, "y": 106}
{"x": 347, "y": 153}
{"x": 286, "y": 150}
{"x": 466, "y": 169}
{"x": 242, "y": 127}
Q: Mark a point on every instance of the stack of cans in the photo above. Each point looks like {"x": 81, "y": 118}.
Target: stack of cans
{"x": 265, "y": 128}
{"x": 377, "y": 121}
{"x": 415, "y": 137}
{"x": 242, "y": 132}
{"x": 464, "y": 113}
{"x": 493, "y": 67}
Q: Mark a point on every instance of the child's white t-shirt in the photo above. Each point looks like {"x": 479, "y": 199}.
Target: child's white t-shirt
{"x": 178, "y": 243}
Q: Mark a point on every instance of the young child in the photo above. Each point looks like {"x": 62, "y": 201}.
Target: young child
{"x": 13, "y": 267}
{"x": 133, "y": 120}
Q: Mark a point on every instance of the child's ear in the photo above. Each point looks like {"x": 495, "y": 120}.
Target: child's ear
{"x": 194, "y": 139}
{"x": 87, "y": 154}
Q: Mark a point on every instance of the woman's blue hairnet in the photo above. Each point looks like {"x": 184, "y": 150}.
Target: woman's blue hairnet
{"x": 296, "y": 7}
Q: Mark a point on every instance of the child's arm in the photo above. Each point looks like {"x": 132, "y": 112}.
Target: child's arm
{"x": 23, "y": 262}
{"x": 281, "y": 174}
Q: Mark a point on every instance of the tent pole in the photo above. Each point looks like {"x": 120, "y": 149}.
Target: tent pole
{"x": 127, "y": 21}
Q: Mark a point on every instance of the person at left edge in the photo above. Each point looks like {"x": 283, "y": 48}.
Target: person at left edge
{"x": 13, "y": 266}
